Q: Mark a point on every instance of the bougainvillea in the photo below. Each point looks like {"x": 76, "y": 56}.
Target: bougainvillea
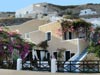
{"x": 74, "y": 25}
{"x": 10, "y": 41}
{"x": 94, "y": 45}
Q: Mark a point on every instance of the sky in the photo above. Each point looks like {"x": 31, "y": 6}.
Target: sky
{"x": 13, "y": 5}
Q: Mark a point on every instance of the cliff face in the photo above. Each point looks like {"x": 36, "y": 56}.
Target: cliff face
{"x": 90, "y": 10}
{"x": 4, "y": 15}
{"x": 41, "y": 10}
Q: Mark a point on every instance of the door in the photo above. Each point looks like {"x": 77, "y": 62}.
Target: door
{"x": 42, "y": 54}
{"x": 55, "y": 54}
{"x": 48, "y": 56}
{"x": 38, "y": 54}
{"x": 67, "y": 55}
{"x": 29, "y": 57}
{"x": 70, "y": 35}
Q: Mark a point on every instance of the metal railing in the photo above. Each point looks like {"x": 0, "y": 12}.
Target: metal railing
{"x": 37, "y": 65}
{"x": 8, "y": 64}
{"x": 91, "y": 66}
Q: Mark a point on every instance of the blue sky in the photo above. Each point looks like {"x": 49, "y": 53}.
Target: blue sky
{"x": 13, "y": 5}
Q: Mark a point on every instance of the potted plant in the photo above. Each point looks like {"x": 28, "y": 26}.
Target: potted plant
{"x": 60, "y": 58}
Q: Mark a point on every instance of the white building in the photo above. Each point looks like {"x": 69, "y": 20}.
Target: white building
{"x": 39, "y": 10}
{"x": 22, "y": 12}
{"x": 94, "y": 21}
{"x": 87, "y": 12}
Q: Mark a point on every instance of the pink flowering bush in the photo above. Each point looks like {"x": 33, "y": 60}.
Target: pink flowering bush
{"x": 10, "y": 41}
{"x": 74, "y": 25}
{"x": 94, "y": 46}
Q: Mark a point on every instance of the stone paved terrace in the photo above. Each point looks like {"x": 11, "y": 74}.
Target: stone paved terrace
{"x": 13, "y": 72}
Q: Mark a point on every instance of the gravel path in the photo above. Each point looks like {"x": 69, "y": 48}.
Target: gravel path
{"x": 13, "y": 72}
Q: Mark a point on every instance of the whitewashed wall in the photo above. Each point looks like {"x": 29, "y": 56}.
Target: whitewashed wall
{"x": 87, "y": 12}
{"x": 21, "y": 12}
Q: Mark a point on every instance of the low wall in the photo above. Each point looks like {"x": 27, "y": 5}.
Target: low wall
{"x": 83, "y": 44}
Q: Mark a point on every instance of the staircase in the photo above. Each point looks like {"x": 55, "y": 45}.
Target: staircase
{"x": 78, "y": 59}
{"x": 72, "y": 66}
{"x": 82, "y": 55}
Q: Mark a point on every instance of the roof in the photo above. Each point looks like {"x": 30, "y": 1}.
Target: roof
{"x": 28, "y": 26}
{"x": 35, "y": 36}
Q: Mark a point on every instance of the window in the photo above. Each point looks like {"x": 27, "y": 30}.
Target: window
{"x": 26, "y": 12}
{"x": 67, "y": 35}
{"x": 48, "y": 36}
{"x": 20, "y": 15}
{"x": 67, "y": 55}
{"x": 45, "y": 14}
{"x": 27, "y": 35}
{"x": 82, "y": 32}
